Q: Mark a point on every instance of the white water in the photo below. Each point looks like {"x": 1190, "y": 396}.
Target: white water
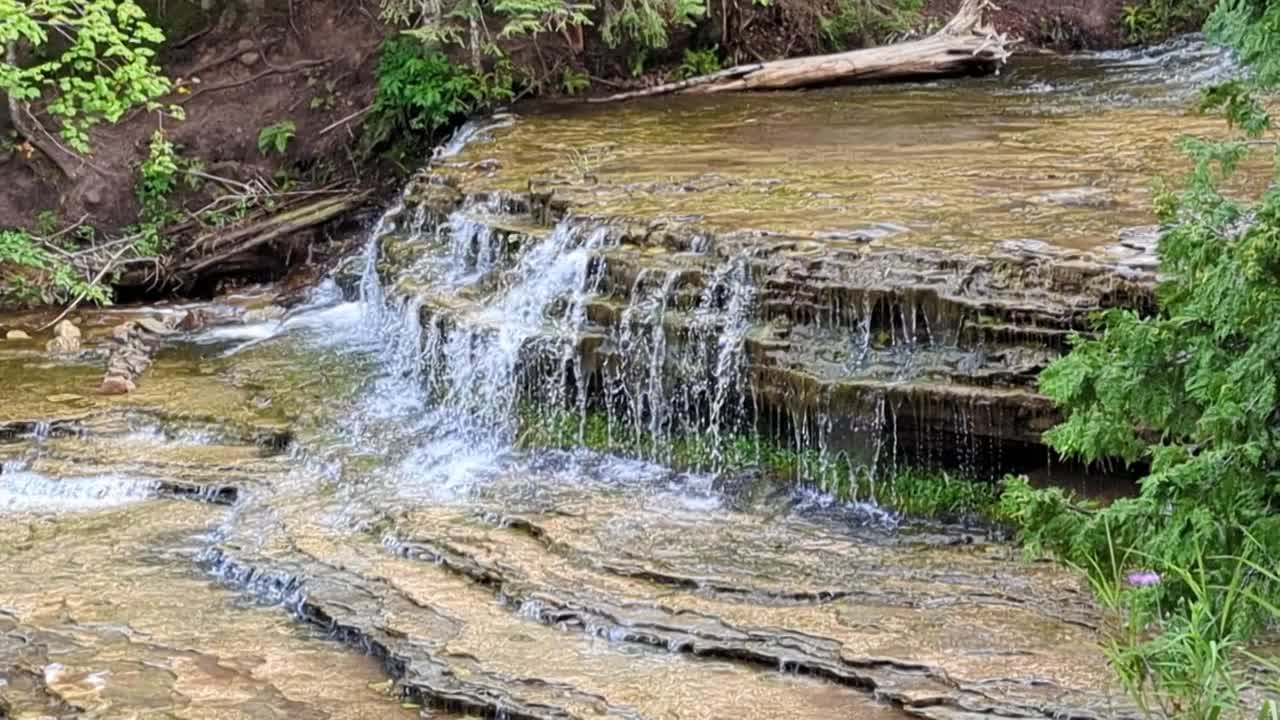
{"x": 31, "y": 492}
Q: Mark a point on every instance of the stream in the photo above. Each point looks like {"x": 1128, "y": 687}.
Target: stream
{"x": 334, "y": 510}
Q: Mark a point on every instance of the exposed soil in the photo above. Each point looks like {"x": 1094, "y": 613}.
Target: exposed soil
{"x": 311, "y": 63}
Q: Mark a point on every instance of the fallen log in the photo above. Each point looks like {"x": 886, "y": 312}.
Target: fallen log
{"x": 967, "y": 45}
{"x": 272, "y": 228}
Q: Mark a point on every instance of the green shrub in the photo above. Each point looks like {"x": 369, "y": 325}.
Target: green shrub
{"x": 1191, "y": 391}
{"x": 1193, "y": 394}
{"x": 421, "y": 92}
{"x": 699, "y": 62}
{"x": 1152, "y": 20}
{"x": 859, "y": 23}
{"x": 573, "y": 82}
{"x": 91, "y": 62}
{"x": 29, "y": 273}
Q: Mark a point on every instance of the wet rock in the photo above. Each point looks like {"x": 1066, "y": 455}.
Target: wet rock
{"x": 116, "y": 385}
{"x": 66, "y": 329}
{"x": 129, "y": 354}
{"x": 66, "y": 339}
{"x": 16, "y": 335}
{"x": 153, "y": 326}
{"x": 267, "y": 313}
{"x": 62, "y": 346}
{"x": 194, "y": 320}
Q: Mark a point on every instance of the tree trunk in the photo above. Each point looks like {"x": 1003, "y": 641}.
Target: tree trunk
{"x": 967, "y": 45}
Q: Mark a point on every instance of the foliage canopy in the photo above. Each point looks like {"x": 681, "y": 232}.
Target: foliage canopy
{"x": 91, "y": 61}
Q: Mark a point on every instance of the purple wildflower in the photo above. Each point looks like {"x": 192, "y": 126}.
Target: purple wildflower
{"x": 1143, "y": 578}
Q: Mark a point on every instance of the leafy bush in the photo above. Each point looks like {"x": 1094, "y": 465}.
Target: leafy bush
{"x": 573, "y": 82}
{"x": 858, "y": 23}
{"x": 699, "y": 62}
{"x": 159, "y": 177}
{"x": 641, "y": 25}
{"x": 103, "y": 64}
{"x": 30, "y": 273}
{"x": 1193, "y": 393}
{"x": 421, "y": 92}
{"x": 1153, "y": 20}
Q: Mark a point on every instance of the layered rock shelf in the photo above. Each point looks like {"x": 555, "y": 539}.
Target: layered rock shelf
{"x": 879, "y": 349}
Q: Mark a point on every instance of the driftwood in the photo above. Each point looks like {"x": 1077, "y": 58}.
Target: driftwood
{"x": 222, "y": 247}
{"x": 967, "y": 45}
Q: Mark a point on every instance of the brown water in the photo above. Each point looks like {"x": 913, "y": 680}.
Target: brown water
{"x": 1059, "y": 150}
{"x": 329, "y": 516}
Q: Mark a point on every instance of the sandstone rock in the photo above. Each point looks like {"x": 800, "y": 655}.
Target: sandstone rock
{"x": 153, "y": 326}
{"x": 16, "y": 335}
{"x": 121, "y": 333}
{"x": 116, "y": 385}
{"x": 63, "y": 346}
{"x": 264, "y": 314}
{"x": 66, "y": 329}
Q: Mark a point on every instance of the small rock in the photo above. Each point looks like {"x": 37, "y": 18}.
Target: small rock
{"x": 263, "y": 314}
{"x": 62, "y": 346}
{"x": 121, "y": 332}
{"x": 116, "y": 385}
{"x": 16, "y": 335}
{"x": 193, "y": 320}
{"x": 1083, "y": 197}
{"x": 248, "y": 59}
{"x": 153, "y": 326}
{"x": 63, "y": 398}
{"x": 66, "y": 329}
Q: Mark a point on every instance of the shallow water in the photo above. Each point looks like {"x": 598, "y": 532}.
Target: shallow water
{"x": 1061, "y": 150}
{"x": 159, "y": 561}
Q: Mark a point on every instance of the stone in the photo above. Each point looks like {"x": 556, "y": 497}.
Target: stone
{"x": 121, "y": 332}
{"x": 264, "y": 314}
{"x": 116, "y": 385}
{"x": 63, "y": 346}
{"x": 16, "y": 335}
{"x": 194, "y": 320}
{"x": 153, "y": 326}
{"x": 66, "y": 329}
